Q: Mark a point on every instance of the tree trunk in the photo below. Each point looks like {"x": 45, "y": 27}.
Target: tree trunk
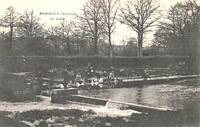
{"x": 78, "y": 47}
{"x": 140, "y": 39}
{"x": 140, "y": 51}
{"x": 141, "y": 44}
{"x": 95, "y": 46}
{"x": 96, "y": 39}
{"x": 110, "y": 43}
{"x": 11, "y": 39}
{"x": 184, "y": 47}
{"x": 68, "y": 45}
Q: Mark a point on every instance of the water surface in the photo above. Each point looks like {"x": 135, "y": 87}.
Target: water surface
{"x": 183, "y": 96}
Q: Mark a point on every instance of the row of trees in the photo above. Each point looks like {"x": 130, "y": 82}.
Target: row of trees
{"x": 180, "y": 32}
{"x": 92, "y": 32}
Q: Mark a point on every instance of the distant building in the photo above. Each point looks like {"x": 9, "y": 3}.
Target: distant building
{"x": 118, "y": 48}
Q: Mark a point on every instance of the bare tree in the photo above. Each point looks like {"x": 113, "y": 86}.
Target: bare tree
{"x": 10, "y": 20}
{"x": 79, "y": 40}
{"x": 181, "y": 28}
{"x": 178, "y": 16}
{"x": 29, "y": 26}
{"x": 31, "y": 33}
{"x": 67, "y": 29}
{"x": 53, "y": 38}
{"x": 140, "y": 15}
{"x": 92, "y": 21}
{"x": 194, "y": 24}
{"x": 110, "y": 9}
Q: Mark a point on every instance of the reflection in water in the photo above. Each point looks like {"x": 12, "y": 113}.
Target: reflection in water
{"x": 182, "y": 95}
{"x": 139, "y": 93}
{"x": 166, "y": 95}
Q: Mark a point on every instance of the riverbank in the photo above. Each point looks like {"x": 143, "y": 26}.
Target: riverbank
{"x": 47, "y": 105}
{"x": 16, "y": 111}
{"x": 44, "y": 113}
{"x": 91, "y": 117}
{"x": 75, "y": 115}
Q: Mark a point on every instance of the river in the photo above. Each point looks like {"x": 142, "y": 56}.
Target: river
{"x": 183, "y": 96}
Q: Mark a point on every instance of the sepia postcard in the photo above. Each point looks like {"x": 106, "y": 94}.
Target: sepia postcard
{"x": 99, "y": 63}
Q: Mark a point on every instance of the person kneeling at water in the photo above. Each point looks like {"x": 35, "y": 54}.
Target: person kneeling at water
{"x": 79, "y": 80}
{"x": 111, "y": 75}
{"x": 146, "y": 72}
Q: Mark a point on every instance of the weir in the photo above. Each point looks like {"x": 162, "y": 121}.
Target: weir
{"x": 156, "y": 80}
{"x": 116, "y": 104}
{"x": 137, "y": 107}
{"x": 86, "y": 99}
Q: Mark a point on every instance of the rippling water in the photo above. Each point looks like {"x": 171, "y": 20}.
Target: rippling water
{"x": 183, "y": 96}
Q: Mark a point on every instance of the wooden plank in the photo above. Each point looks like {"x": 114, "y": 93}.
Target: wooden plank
{"x": 141, "y": 108}
{"x": 104, "y": 102}
{"x": 162, "y": 78}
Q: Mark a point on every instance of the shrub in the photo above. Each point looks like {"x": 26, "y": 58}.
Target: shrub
{"x": 6, "y": 93}
{"x": 42, "y": 124}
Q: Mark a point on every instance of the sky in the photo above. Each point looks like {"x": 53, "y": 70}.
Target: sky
{"x": 67, "y": 9}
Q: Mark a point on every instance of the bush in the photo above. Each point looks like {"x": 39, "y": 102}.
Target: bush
{"x": 42, "y": 124}
{"x": 15, "y": 89}
{"x": 45, "y": 114}
{"x": 6, "y": 93}
{"x": 8, "y": 122}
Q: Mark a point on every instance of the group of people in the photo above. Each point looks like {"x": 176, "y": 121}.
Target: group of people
{"x": 89, "y": 75}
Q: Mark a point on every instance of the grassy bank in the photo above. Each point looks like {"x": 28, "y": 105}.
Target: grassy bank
{"x": 5, "y": 121}
{"x": 79, "y": 118}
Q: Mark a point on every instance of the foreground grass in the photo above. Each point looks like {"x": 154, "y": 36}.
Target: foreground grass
{"x": 5, "y": 121}
{"x": 21, "y": 98}
{"x": 79, "y": 118}
{"x": 73, "y": 117}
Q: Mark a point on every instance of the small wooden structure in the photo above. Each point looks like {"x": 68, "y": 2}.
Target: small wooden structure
{"x": 60, "y": 95}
